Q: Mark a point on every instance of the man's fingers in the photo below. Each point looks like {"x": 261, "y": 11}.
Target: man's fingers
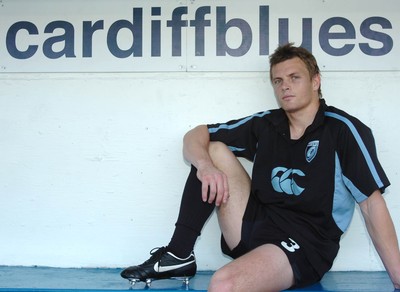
{"x": 221, "y": 190}
{"x": 212, "y": 192}
{"x": 215, "y": 189}
{"x": 204, "y": 191}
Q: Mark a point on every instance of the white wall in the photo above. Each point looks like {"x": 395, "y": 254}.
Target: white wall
{"x": 91, "y": 166}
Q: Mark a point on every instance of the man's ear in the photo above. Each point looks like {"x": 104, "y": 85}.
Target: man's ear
{"x": 316, "y": 81}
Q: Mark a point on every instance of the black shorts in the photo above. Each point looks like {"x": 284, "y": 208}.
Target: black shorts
{"x": 258, "y": 229}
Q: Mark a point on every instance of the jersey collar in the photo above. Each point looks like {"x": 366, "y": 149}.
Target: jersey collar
{"x": 281, "y": 122}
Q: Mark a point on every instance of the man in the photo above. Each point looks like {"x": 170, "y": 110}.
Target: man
{"x": 282, "y": 227}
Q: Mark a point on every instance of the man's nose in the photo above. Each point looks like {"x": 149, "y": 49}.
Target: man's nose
{"x": 285, "y": 85}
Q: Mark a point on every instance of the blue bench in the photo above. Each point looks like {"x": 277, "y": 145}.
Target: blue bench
{"x": 42, "y": 279}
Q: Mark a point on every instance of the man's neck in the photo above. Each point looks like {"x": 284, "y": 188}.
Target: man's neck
{"x": 300, "y": 120}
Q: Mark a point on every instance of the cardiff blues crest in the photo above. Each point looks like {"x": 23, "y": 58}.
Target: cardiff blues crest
{"x": 311, "y": 150}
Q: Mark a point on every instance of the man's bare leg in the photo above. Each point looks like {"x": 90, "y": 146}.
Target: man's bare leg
{"x": 267, "y": 267}
{"x": 230, "y": 214}
{"x": 264, "y": 269}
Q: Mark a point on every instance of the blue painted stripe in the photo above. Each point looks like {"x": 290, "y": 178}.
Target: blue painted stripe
{"x": 360, "y": 144}
{"x": 237, "y": 124}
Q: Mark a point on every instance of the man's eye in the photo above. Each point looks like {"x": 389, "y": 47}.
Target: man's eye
{"x": 277, "y": 81}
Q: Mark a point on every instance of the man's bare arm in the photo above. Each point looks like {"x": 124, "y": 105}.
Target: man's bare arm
{"x": 382, "y": 232}
{"x": 196, "y": 150}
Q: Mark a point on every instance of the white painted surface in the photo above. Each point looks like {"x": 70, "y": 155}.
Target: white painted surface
{"x": 91, "y": 166}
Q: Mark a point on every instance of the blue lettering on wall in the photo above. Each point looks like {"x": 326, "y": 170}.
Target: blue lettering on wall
{"x": 88, "y": 30}
{"x": 284, "y": 37}
{"x": 176, "y": 23}
{"x": 367, "y": 32}
{"x": 66, "y": 40}
{"x": 199, "y": 24}
{"x": 156, "y": 33}
{"x": 264, "y": 30}
{"x": 11, "y": 40}
{"x": 325, "y": 35}
{"x": 337, "y": 36}
{"x": 223, "y": 26}
{"x": 136, "y": 28}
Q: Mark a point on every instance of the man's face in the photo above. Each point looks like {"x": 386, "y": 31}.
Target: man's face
{"x": 294, "y": 88}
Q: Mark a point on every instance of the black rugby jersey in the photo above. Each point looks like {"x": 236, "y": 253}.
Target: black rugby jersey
{"x": 310, "y": 185}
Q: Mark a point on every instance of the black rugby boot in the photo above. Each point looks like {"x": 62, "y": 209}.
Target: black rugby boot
{"x": 162, "y": 265}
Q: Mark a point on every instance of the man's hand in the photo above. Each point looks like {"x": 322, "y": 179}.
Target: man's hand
{"x": 214, "y": 182}
{"x": 214, "y": 185}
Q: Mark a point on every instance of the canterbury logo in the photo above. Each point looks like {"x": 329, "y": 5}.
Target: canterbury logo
{"x": 282, "y": 180}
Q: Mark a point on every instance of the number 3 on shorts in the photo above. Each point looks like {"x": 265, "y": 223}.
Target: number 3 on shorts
{"x": 291, "y": 246}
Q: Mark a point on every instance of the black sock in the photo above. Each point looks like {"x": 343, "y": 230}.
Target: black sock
{"x": 193, "y": 214}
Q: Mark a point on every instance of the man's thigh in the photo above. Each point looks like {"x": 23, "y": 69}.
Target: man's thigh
{"x": 230, "y": 214}
{"x": 258, "y": 230}
{"x": 266, "y": 268}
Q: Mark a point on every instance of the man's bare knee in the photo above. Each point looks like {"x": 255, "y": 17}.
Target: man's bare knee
{"x": 222, "y": 157}
{"x": 221, "y": 281}
{"x": 218, "y": 149}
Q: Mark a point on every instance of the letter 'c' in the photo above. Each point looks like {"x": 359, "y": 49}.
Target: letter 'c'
{"x": 11, "y": 40}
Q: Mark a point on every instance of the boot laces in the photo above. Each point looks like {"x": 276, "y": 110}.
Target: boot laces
{"x": 156, "y": 255}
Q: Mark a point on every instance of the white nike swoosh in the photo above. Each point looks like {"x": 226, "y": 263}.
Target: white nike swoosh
{"x": 162, "y": 269}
